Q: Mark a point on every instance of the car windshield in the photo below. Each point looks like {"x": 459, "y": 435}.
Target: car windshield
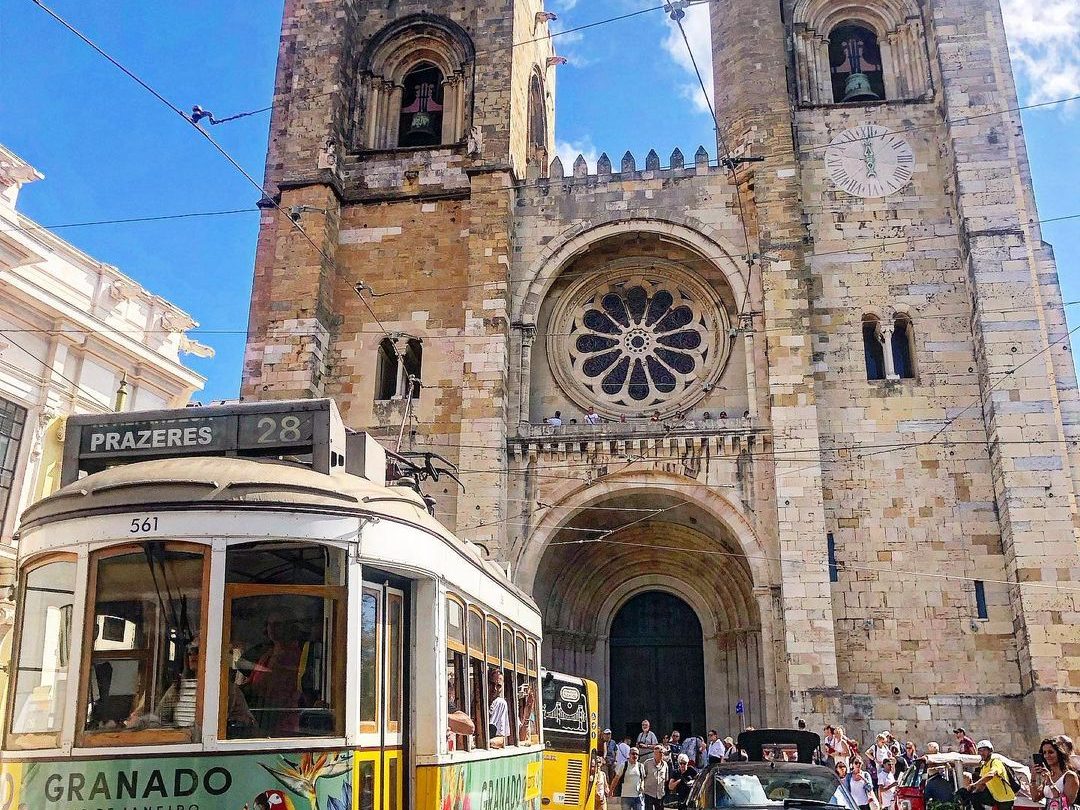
{"x": 766, "y": 785}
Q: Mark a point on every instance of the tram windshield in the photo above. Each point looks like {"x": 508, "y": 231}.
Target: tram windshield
{"x": 284, "y": 608}
{"x": 144, "y": 658}
{"x": 566, "y": 713}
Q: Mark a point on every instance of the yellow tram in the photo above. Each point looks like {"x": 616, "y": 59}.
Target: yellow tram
{"x": 226, "y": 608}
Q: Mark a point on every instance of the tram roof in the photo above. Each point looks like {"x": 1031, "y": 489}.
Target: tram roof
{"x": 215, "y": 482}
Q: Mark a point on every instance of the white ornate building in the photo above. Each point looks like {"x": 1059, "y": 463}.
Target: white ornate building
{"x": 71, "y": 329}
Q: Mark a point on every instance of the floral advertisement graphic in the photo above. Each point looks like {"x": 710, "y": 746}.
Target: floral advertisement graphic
{"x": 500, "y": 784}
{"x": 294, "y": 781}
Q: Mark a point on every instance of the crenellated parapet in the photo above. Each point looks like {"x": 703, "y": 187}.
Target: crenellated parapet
{"x": 580, "y": 175}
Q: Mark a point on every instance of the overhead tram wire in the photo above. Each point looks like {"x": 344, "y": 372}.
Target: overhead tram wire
{"x": 840, "y": 565}
{"x": 30, "y": 229}
{"x": 217, "y": 147}
{"x": 960, "y": 120}
{"x": 677, "y": 14}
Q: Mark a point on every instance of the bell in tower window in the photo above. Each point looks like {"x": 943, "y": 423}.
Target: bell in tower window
{"x": 421, "y": 107}
{"x": 855, "y": 60}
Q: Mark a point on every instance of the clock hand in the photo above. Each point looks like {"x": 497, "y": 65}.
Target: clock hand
{"x": 869, "y": 158}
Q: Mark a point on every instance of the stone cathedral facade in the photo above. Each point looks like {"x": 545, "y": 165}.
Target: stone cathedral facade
{"x": 835, "y": 472}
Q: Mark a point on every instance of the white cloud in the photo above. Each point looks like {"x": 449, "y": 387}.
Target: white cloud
{"x": 696, "y": 24}
{"x": 1044, "y": 40}
{"x": 568, "y": 152}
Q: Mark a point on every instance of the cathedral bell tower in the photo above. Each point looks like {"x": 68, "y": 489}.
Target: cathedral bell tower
{"x": 398, "y": 132}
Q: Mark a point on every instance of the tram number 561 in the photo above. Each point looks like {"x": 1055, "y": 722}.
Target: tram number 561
{"x": 143, "y": 525}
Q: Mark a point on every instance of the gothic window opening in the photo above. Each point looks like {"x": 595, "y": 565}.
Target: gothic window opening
{"x": 636, "y": 339}
{"x": 421, "y": 107}
{"x": 537, "y": 123}
{"x": 902, "y": 353}
{"x": 395, "y": 377}
{"x": 386, "y": 371}
{"x": 856, "y": 65}
{"x": 873, "y": 350}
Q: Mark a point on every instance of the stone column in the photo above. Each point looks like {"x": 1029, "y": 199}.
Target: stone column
{"x": 751, "y": 372}
{"x": 528, "y": 336}
{"x": 885, "y": 336}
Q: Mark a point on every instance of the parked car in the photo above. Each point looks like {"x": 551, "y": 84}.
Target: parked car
{"x": 936, "y": 778}
{"x": 779, "y": 775}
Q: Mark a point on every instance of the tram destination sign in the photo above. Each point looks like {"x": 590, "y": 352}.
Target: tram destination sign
{"x": 260, "y": 429}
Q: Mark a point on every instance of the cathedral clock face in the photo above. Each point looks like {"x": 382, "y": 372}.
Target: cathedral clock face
{"x": 870, "y": 161}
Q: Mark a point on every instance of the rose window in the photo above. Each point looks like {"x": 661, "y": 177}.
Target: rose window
{"x": 639, "y": 343}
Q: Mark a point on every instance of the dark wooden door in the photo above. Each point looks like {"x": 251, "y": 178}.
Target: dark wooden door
{"x": 657, "y": 667}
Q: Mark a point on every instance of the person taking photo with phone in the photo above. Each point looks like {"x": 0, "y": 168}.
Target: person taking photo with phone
{"x": 1059, "y": 783}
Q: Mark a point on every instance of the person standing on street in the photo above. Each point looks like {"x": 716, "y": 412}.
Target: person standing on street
{"x": 656, "y": 778}
{"x": 629, "y": 783}
{"x": 1059, "y": 782}
{"x": 992, "y": 786}
{"x": 886, "y": 783}
{"x": 646, "y": 739}
{"x": 717, "y": 751}
{"x": 600, "y": 782}
{"x": 610, "y": 750}
{"x": 859, "y": 786}
{"x": 965, "y": 744}
{"x": 681, "y": 780}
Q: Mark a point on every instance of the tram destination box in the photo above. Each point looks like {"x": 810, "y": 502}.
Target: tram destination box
{"x": 310, "y": 430}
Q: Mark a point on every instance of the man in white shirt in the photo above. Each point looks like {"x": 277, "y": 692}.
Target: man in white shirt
{"x": 622, "y": 753}
{"x": 498, "y": 712}
{"x": 592, "y": 417}
{"x": 886, "y": 781}
{"x": 629, "y": 784}
{"x": 717, "y": 751}
{"x": 556, "y": 419}
{"x": 646, "y": 739}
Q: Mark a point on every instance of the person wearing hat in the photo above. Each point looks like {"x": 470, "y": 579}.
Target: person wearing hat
{"x": 611, "y": 751}
{"x": 682, "y": 779}
{"x": 967, "y": 745}
{"x": 992, "y": 786}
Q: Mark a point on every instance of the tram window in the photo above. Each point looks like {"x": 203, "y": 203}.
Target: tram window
{"x": 459, "y": 726}
{"x": 285, "y": 631}
{"x": 42, "y": 666}
{"x": 370, "y": 639}
{"x": 393, "y": 661}
{"x": 142, "y": 679}
{"x": 477, "y": 679}
{"x": 534, "y": 692}
{"x": 493, "y": 642}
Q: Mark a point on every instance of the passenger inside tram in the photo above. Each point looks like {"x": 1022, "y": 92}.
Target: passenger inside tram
{"x": 146, "y": 615}
{"x": 498, "y": 711}
{"x": 284, "y": 614}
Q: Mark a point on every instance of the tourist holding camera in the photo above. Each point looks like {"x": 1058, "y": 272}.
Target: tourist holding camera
{"x": 1059, "y": 784}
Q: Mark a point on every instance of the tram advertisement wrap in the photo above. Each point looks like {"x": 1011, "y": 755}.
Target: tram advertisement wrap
{"x": 507, "y": 783}
{"x": 293, "y": 781}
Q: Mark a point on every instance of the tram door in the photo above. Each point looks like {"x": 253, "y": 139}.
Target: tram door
{"x": 383, "y": 756}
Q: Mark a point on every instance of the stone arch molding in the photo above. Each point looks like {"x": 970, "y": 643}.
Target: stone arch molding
{"x": 693, "y": 235}
{"x": 716, "y": 505}
{"x": 391, "y": 54}
{"x": 899, "y": 27}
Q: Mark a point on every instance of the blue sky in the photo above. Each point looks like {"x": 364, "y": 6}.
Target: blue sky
{"x": 109, "y": 151}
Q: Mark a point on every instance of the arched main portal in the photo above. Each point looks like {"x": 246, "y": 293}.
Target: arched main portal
{"x": 657, "y": 666}
{"x": 656, "y": 536}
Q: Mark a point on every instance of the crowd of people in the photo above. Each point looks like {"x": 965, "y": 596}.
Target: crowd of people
{"x": 646, "y": 771}
{"x": 871, "y": 773}
{"x": 641, "y": 772}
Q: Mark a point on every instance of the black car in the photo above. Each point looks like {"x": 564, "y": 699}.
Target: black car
{"x": 778, "y": 776}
